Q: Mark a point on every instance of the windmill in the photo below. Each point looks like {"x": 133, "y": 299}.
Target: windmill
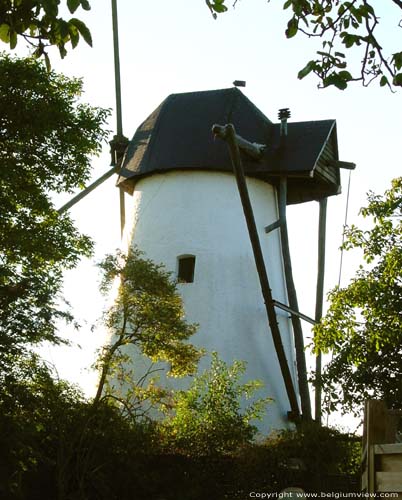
{"x": 190, "y": 218}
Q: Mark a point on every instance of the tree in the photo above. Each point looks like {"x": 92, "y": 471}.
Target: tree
{"x": 207, "y": 418}
{"x": 47, "y": 139}
{"x": 35, "y": 416}
{"x": 38, "y": 22}
{"x": 362, "y": 328}
{"x": 343, "y": 26}
{"x": 147, "y": 319}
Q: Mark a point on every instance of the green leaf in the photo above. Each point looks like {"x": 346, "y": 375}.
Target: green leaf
{"x": 50, "y": 7}
{"x": 33, "y": 29}
{"x": 47, "y": 62}
{"x": 292, "y": 28}
{"x": 63, "y": 28}
{"x": 73, "y": 5}
{"x": 13, "y": 39}
{"x": 383, "y": 81}
{"x": 74, "y": 35}
{"x": 345, "y": 75}
{"x": 397, "y": 80}
{"x": 218, "y": 7}
{"x": 336, "y": 80}
{"x": 62, "y": 50}
{"x": 397, "y": 60}
{"x": 306, "y": 70}
{"x": 5, "y": 33}
{"x": 350, "y": 40}
{"x": 84, "y": 31}
{"x": 85, "y": 5}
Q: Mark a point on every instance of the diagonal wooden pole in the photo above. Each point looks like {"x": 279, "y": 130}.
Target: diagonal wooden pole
{"x": 87, "y": 190}
{"x": 293, "y": 303}
{"x": 229, "y": 134}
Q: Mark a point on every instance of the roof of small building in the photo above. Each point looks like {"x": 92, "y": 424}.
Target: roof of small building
{"x": 177, "y": 136}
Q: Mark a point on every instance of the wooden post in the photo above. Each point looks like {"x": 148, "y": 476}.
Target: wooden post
{"x": 117, "y": 81}
{"x": 293, "y": 303}
{"x": 119, "y": 120}
{"x": 228, "y": 133}
{"x": 322, "y": 223}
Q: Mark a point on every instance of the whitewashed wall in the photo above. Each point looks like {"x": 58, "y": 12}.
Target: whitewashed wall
{"x": 200, "y": 213}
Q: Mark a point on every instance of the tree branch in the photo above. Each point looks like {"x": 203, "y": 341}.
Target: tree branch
{"x": 398, "y": 3}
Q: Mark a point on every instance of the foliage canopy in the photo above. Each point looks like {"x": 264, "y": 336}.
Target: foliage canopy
{"x": 39, "y": 23}
{"x": 47, "y": 139}
{"x": 55, "y": 445}
{"x": 208, "y": 417}
{"x": 344, "y": 26}
{"x": 363, "y": 325}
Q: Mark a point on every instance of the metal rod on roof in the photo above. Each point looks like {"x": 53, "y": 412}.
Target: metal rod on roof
{"x": 319, "y": 302}
{"x": 229, "y": 134}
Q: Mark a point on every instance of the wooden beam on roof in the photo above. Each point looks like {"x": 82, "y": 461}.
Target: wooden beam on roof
{"x": 252, "y": 149}
{"x": 341, "y": 164}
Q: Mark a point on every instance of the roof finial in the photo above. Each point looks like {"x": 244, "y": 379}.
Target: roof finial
{"x": 239, "y": 83}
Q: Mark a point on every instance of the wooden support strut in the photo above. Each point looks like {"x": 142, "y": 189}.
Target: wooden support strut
{"x": 319, "y": 302}
{"x": 293, "y": 303}
{"x": 228, "y": 133}
{"x": 291, "y": 311}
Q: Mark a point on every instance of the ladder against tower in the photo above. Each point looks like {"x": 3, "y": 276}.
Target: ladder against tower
{"x": 186, "y": 213}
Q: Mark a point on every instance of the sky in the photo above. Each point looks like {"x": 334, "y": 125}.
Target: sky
{"x": 176, "y": 46}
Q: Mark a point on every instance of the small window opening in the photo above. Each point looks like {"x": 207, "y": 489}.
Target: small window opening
{"x": 185, "y": 272}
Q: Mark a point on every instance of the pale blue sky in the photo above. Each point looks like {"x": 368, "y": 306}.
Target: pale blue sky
{"x": 175, "y": 46}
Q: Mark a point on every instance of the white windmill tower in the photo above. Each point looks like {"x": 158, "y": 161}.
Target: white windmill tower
{"x": 230, "y": 253}
{"x": 187, "y": 214}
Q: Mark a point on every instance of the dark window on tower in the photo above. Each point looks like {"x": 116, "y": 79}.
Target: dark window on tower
{"x": 185, "y": 272}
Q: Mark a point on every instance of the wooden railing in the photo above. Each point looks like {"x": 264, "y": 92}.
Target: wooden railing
{"x": 382, "y": 453}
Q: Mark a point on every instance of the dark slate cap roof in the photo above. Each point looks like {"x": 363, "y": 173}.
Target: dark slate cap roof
{"x": 177, "y": 136}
